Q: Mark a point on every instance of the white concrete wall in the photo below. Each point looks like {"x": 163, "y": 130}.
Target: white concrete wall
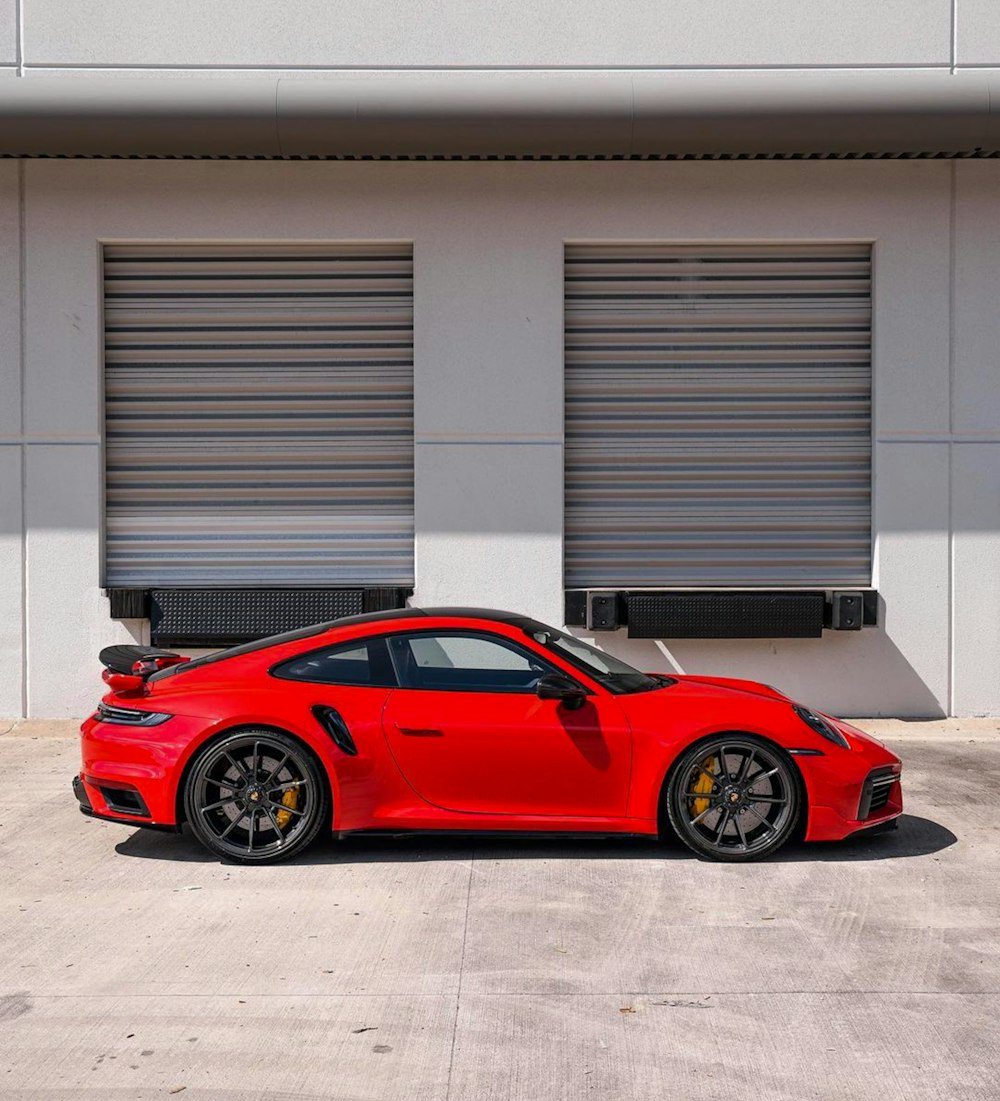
{"x": 504, "y": 32}
{"x": 310, "y": 35}
{"x": 8, "y": 34}
{"x": 488, "y": 241}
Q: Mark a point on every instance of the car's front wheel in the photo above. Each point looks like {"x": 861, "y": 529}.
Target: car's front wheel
{"x": 255, "y": 796}
{"x": 734, "y": 797}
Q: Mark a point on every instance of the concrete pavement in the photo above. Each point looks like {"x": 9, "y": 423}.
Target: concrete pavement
{"x": 134, "y": 965}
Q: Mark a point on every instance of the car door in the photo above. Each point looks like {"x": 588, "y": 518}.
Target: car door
{"x": 469, "y": 733}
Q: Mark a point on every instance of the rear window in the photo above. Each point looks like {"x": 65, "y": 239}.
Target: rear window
{"x": 352, "y": 663}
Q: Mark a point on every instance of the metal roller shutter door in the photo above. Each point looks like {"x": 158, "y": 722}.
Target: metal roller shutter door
{"x": 718, "y": 415}
{"x": 259, "y": 414}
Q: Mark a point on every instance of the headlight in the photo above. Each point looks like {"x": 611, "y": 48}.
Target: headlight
{"x": 820, "y": 726}
{"x": 126, "y": 716}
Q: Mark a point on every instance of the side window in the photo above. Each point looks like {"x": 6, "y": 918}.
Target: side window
{"x": 348, "y": 664}
{"x": 458, "y": 662}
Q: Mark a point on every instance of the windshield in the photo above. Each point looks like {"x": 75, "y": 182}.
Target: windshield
{"x": 615, "y": 675}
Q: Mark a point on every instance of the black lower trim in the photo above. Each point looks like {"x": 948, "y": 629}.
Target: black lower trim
{"x": 159, "y": 827}
{"x": 715, "y": 613}
{"x": 81, "y": 795}
{"x": 886, "y": 826}
{"x": 497, "y": 834}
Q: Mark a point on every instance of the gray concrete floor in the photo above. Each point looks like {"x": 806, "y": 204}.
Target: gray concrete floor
{"x": 134, "y": 965}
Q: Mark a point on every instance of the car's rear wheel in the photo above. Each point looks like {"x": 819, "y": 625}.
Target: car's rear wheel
{"x": 255, "y": 796}
{"x": 734, "y": 797}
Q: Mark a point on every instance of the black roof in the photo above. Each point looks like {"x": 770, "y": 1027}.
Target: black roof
{"x": 420, "y": 613}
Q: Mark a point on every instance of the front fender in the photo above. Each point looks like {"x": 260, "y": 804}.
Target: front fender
{"x": 664, "y": 728}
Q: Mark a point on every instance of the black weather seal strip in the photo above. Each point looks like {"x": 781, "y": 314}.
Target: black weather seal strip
{"x": 330, "y": 719}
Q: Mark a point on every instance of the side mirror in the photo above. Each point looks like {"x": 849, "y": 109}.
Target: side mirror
{"x": 554, "y": 686}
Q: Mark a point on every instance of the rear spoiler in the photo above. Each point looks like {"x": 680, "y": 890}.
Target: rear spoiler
{"x": 136, "y": 661}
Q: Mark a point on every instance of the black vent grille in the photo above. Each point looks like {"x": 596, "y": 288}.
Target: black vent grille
{"x": 726, "y": 615}
{"x": 123, "y": 799}
{"x": 875, "y": 793}
{"x": 223, "y": 617}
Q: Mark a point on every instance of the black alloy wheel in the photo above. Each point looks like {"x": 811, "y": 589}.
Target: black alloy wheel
{"x": 255, "y": 797}
{"x": 734, "y": 797}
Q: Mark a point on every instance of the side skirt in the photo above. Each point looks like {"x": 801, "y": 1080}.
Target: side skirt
{"x": 498, "y": 834}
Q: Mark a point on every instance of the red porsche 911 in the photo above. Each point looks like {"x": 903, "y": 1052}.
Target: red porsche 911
{"x": 464, "y": 719}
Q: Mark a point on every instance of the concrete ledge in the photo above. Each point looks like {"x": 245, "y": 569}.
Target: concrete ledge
{"x": 490, "y": 113}
{"x": 890, "y": 729}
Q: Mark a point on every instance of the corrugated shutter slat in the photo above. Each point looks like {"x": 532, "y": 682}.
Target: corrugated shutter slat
{"x": 718, "y": 415}
{"x": 259, "y": 414}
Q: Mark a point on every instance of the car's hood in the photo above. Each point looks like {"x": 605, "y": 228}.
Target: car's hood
{"x": 731, "y": 685}
{"x": 723, "y": 690}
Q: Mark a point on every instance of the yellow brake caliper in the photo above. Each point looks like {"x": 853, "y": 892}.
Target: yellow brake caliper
{"x": 702, "y": 786}
{"x": 289, "y": 799}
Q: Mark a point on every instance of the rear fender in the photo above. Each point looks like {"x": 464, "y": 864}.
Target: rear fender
{"x": 317, "y": 742}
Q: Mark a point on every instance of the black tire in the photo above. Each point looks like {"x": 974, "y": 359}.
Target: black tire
{"x": 256, "y": 797}
{"x": 744, "y": 810}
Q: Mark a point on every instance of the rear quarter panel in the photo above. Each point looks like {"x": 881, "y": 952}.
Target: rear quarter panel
{"x": 357, "y": 783}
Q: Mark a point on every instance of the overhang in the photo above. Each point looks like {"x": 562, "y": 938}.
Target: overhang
{"x": 531, "y": 114}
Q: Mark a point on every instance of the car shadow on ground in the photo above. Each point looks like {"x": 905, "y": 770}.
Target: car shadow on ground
{"x": 915, "y": 837}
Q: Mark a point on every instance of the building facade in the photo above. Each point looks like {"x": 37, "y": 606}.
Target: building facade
{"x": 390, "y": 352}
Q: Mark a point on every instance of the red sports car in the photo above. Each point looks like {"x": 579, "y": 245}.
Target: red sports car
{"x": 464, "y": 719}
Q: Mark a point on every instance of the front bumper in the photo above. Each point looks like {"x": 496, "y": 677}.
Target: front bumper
{"x": 851, "y": 790}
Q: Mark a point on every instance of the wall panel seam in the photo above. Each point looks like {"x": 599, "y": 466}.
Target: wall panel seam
{"x": 954, "y": 35}
{"x": 19, "y": 31}
{"x": 952, "y": 224}
{"x": 22, "y": 379}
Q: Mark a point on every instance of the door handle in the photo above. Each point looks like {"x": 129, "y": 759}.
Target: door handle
{"x": 419, "y": 731}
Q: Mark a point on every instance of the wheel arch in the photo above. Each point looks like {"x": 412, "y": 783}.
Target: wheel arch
{"x": 239, "y": 728}
{"x": 665, "y": 829}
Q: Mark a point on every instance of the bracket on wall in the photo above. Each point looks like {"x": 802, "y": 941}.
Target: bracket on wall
{"x": 128, "y": 603}
{"x": 215, "y": 617}
{"x": 722, "y": 613}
